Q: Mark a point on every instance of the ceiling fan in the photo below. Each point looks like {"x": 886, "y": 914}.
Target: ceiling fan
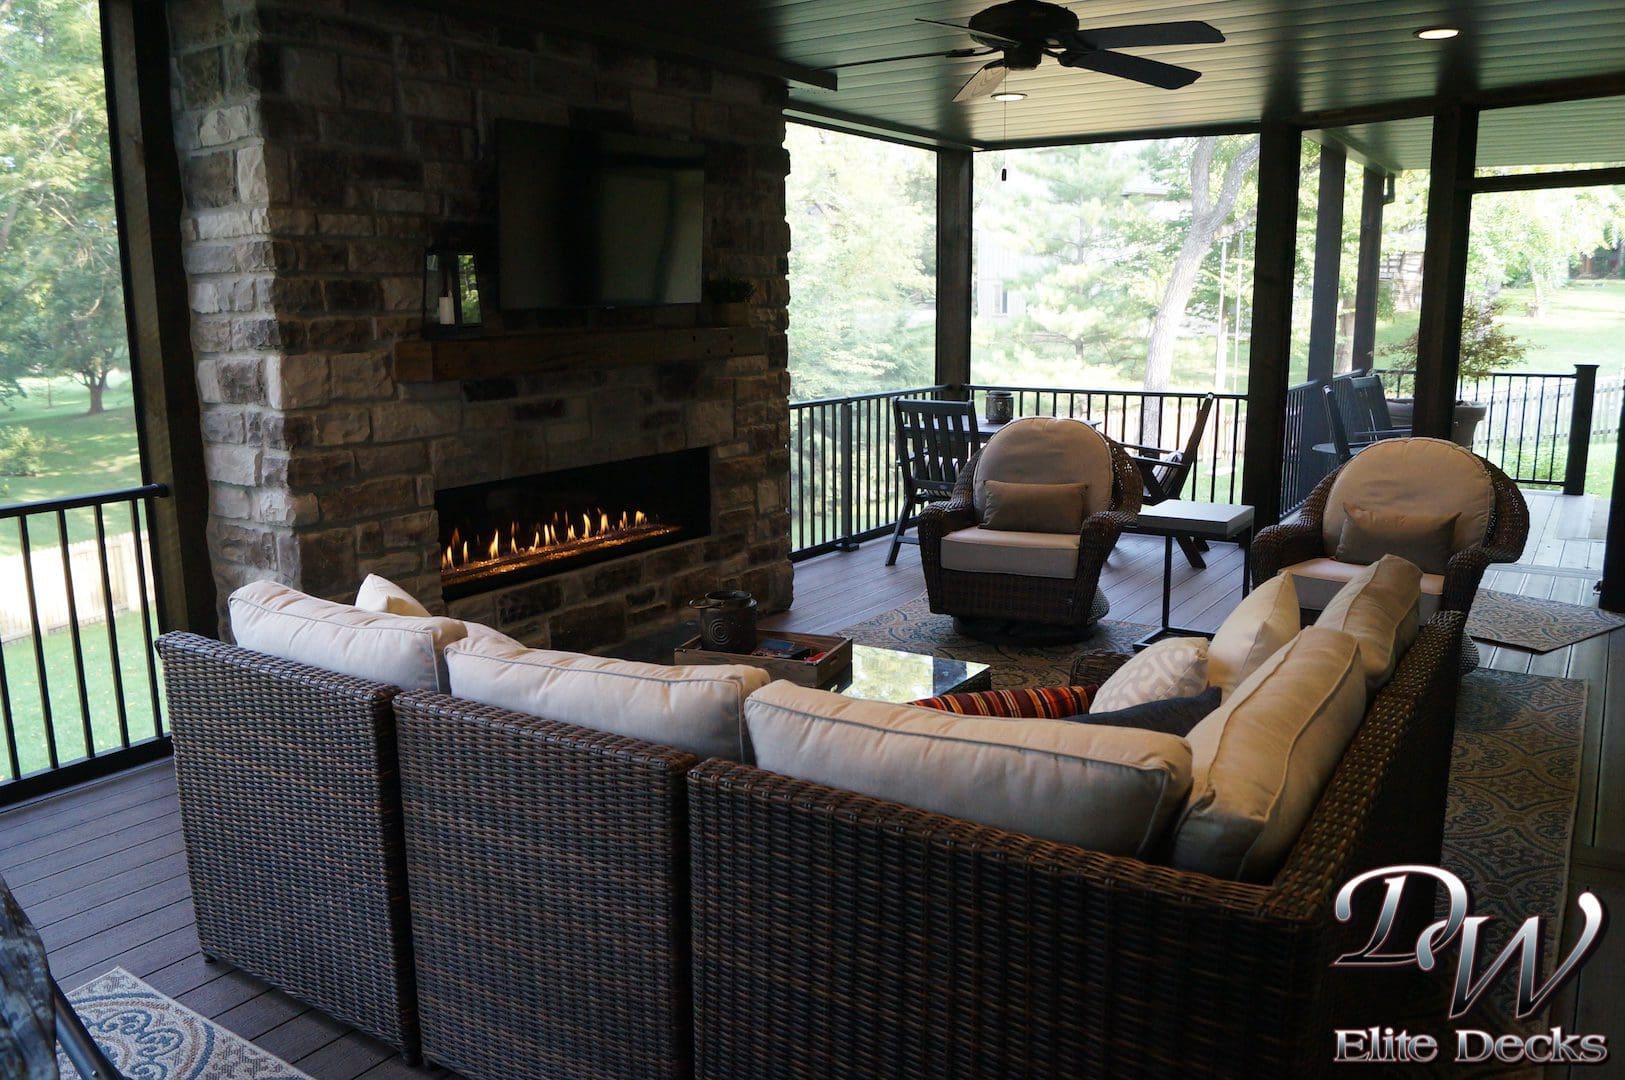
{"x": 1023, "y": 32}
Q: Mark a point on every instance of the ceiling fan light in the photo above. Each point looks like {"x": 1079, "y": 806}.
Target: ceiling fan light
{"x": 1008, "y": 95}
{"x": 1437, "y": 33}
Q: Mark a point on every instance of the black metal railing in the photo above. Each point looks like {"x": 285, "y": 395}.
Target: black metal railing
{"x": 844, "y": 484}
{"x": 1301, "y": 467}
{"x": 1535, "y": 425}
{"x": 79, "y": 684}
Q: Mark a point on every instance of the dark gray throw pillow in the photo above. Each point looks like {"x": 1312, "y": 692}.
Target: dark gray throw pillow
{"x": 1171, "y": 716}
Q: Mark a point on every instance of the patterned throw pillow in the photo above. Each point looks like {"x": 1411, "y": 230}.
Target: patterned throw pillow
{"x": 1043, "y": 703}
{"x": 1172, "y": 668}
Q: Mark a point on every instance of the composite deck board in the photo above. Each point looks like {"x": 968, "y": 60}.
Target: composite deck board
{"x": 102, "y": 866}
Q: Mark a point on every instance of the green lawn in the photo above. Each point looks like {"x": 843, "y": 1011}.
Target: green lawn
{"x": 85, "y": 454}
{"x": 28, "y": 713}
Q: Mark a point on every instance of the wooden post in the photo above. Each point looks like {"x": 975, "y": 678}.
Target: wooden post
{"x": 1444, "y": 268}
{"x": 1323, "y": 296}
{"x": 1613, "y": 559}
{"x": 1269, "y": 358}
{"x": 1372, "y": 198}
{"x": 955, "y": 169}
{"x": 147, "y": 192}
{"x": 1585, "y": 391}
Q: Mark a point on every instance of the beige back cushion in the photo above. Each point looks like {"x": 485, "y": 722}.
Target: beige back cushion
{"x": 1107, "y": 788}
{"x": 1414, "y": 476}
{"x": 1047, "y": 450}
{"x": 1381, "y": 608}
{"x": 1260, "y": 762}
{"x": 402, "y": 650}
{"x": 698, "y": 709}
{"x": 1267, "y": 619}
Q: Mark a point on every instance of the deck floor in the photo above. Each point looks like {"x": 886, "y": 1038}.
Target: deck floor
{"x": 101, "y": 868}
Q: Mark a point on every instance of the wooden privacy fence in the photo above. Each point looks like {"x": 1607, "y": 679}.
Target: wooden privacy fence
{"x": 123, "y": 590}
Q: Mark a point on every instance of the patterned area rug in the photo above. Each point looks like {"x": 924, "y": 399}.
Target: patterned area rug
{"x": 913, "y": 628}
{"x": 1526, "y": 622}
{"x": 148, "y": 1035}
{"x": 1514, "y": 781}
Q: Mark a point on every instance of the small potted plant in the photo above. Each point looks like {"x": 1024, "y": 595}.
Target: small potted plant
{"x": 730, "y": 300}
{"x": 1486, "y": 347}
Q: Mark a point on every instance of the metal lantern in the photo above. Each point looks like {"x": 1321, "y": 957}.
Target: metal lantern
{"x": 451, "y": 290}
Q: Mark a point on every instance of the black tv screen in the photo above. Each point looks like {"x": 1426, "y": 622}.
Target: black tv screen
{"x": 597, "y": 219}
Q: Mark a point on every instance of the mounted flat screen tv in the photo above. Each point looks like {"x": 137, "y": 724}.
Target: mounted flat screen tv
{"x": 597, "y": 219}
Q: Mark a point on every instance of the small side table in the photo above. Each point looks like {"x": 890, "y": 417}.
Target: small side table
{"x": 1231, "y": 522}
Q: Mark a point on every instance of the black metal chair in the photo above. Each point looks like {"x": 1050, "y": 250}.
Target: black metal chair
{"x": 1357, "y": 414}
{"x": 1163, "y": 472}
{"x": 934, "y": 440}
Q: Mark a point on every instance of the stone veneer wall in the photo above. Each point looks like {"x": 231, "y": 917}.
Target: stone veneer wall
{"x": 323, "y": 146}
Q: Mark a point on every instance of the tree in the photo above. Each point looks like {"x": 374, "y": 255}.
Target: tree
{"x": 61, "y": 293}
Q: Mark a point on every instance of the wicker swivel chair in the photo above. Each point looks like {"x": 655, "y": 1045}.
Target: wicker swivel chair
{"x": 1048, "y": 579}
{"x": 1417, "y": 476}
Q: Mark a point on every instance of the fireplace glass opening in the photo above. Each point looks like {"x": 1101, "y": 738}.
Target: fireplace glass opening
{"x": 502, "y": 533}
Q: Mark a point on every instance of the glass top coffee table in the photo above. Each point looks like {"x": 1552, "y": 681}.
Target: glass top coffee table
{"x": 876, "y": 674}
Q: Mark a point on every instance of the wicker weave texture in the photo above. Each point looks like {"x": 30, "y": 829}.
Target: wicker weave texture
{"x": 837, "y": 935}
{"x": 548, "y": 866}
{"x": 290, "y": 808}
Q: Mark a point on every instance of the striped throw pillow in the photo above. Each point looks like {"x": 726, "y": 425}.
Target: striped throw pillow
{"x": 1043, "y": 703}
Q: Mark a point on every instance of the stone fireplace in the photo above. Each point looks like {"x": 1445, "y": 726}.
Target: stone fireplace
{"x": 322, "y": 150}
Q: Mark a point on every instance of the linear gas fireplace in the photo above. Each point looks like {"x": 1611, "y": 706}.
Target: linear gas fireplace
{"x": 502, "y": 533}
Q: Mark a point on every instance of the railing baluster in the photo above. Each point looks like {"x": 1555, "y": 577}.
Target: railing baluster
{"x": 39, "y": 645}
{"x": 73, "y": 633}
{"x": 5, "y": 713}
{"x": 115, "y": 658}
{"x": 136, "y": 516}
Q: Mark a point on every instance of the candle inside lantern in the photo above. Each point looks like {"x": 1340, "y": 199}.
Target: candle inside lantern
{"x": 447, "y": 314}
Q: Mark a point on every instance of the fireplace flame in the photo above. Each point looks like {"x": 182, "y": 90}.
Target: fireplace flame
{"x": 559, "y": 535}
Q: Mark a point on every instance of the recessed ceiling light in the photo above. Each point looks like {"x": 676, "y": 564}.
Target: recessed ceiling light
{"x": 1437, "y": 33}
{"x": 1008, "y": 95}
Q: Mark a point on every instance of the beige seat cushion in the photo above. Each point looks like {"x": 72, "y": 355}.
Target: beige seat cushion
{"x": 699, "y": 709}
{"x": 1381, "y": 608}
{"x": 1175, "y": 667}
{"x": 1108, "y": 788}
{"x": 402, "y": 650}
{"x": 1047, "y": 450}
{"x": 1319, "y": 580}
{"x": 1264, "y": 621}
{"x": 1414, "y": 476}
{"x": 1260, "y": 762}
{"x": 1029, "y": 554}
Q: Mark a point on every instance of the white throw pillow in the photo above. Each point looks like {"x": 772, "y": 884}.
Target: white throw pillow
{"x": 1264, "y": 621}
{"x": 1381, "y": 608}
{"x": 1261, "y": 760}
{"x": 402, "y": 650}
{"x": 699, "y": 708}
{"x": 383, "y": 595}
{"x": 1171, "y": 668}
{"x": 1107, "y": 788}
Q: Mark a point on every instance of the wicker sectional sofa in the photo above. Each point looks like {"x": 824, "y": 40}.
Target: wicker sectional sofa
{"x": 539, "y": 899}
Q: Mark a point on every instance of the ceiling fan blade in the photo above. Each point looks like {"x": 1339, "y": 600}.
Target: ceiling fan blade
{"x": 1137, "y": 68}
{"x": 952, "y": 54}
{"x": 1143, "y": 34}
{"x": 984, "y": 82}
{"x": 980, "y": 35}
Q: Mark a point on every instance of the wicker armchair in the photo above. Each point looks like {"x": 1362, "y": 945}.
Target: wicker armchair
{"x": 290, "y": 807}
{"x": 548, "y": 869}
{"x": 837, "y": 935}
{"x": 1073, "y": 602}
{"x": 1305, "y": 545}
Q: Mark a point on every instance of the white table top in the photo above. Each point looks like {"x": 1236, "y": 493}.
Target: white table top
{"x": 1208, "y": 520}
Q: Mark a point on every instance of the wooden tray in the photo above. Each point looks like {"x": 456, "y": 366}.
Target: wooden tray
{"x": 827, "y": 669}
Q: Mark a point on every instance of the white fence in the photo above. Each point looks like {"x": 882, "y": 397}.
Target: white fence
{"x": 1605, "y": 406}
{"x": 50, "y": 591}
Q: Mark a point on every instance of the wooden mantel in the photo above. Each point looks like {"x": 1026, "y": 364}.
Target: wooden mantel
{"x": 444, "y": 359}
